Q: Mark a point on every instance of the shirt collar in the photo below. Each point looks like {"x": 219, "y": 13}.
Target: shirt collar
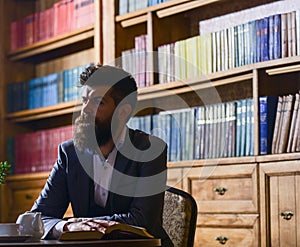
{"x": 118, "y": 144}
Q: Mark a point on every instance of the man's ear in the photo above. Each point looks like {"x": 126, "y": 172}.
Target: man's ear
{"x": 124, "y": 112}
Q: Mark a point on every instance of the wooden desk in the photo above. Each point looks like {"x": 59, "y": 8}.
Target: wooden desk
{"x": 98, "y": 243}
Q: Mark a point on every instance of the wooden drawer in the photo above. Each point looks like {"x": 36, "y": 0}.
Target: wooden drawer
{"x": 214, "y": 237}
{"x": 20, "y": 192}
{"x": 23, "y": 198}
{"x": 224, "y": 189}
{"x": 227, "y": 230}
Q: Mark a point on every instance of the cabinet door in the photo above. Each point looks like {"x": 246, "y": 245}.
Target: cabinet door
{"x": 280, "y": 183}
{"x": 223, "y": 189}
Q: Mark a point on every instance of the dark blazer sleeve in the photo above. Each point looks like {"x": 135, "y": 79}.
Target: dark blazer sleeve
{"x": 54, "y": 199}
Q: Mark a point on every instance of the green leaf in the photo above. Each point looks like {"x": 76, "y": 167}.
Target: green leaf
{"x": 4, "y": 167}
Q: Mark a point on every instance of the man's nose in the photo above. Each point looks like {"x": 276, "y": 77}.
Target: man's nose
{"x": 88, "y": 108}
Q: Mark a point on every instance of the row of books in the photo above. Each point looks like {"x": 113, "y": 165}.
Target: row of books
{"x": 259, "y": 40}
{"x": 36, "y": 151}
{"x": 63, "y": 17}
{"x": 126, "y": 6}
{"x": 136, "y": 62}
{"x": 44, "y": 91}
{"x": 280, "y": 124}
{"x": 212, "y": 131}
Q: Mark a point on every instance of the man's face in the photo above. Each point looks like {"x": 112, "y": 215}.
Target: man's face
{"x": 96, "y": 119}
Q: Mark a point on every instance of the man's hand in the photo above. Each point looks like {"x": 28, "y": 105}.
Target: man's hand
{"x": 88, "y": 224}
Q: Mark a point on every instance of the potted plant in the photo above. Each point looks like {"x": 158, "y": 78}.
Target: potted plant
{"x": 4, "y": 167}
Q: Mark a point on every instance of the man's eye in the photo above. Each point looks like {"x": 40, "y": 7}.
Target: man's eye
{"x": 84, "y": 100}
{"x": 97, "y": 101}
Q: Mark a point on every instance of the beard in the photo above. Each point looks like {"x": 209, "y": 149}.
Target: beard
{"x": 89, "y": 133}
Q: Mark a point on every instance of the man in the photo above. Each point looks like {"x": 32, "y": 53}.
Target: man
{"x": 108, "y": 172}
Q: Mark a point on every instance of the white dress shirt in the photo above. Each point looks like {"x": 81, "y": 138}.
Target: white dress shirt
{"x": 103, "y": 169}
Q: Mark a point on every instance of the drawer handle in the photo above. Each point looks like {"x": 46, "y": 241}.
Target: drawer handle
{"x": 220, "y": 190}
{"x": 28, "y": 197}
{"x": 221, "y": 239}
{"x": 287, "y": 215}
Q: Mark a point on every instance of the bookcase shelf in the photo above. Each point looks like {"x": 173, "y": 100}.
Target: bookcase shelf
{"x": 164, "y": 23}
{"x": 157, "y": 7}
{"x": 79, "y": 38}
{"x": 45, "y": 112}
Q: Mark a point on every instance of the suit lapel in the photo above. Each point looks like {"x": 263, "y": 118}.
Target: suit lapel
{"x": 81, "y": 183}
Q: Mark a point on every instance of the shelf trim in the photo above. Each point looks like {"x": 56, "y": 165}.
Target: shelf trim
{"x": 44, "y": 112}
{"x": 283, "y": 70}
{"x": 188, "y": 87}
{"x": 134, "y": 21}
{"x": 52, "y": 44}
{"x": 153, "y": 8}
{"x": 183, "y": 7}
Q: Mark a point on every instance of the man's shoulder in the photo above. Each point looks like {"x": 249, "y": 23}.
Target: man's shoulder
{"x": 67, "y": 144}
{"x": 143, "y": 140}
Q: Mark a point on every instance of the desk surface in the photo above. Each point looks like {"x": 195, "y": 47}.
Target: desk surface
{"x": 111, "y": 243}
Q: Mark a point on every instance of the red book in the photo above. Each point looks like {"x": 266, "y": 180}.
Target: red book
{"x": 70, "y": 15}
{"x": 29, "y": 29}
{"x": 42, "y": 25}
{"x": 36, "y": 28}
{"x": 13, "y": 35}
{"x": 49, "y": 24}
{"x": 20, "y": 33}
{"x": 57, "y": 21}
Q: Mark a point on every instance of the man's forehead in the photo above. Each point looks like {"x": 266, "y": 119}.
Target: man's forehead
{"x": 107, "y": 75}
{"x": 95, "y": 90}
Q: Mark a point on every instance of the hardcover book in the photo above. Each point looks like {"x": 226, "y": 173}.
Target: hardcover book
{"x": 117, "y": 231}
{"x": 267, "y": 113}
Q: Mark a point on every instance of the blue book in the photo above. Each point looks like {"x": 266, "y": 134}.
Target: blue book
{"x": 252, "y": 34}
{"x": 271, "y": 37}
{"x": 238, "y": 144}
{"x": 265, "y": 39}
{"x": 258, "y": 27}
{"x": 243, "y": 127}
{"x": 267, "y": 114}
{"x": 175, "y": 136}
{"x": 249, "y": 127}
{"x": 236, "y": 46}
{"x": 277, "y": 36}
{"x": 199, "y": 132}
{"x": 241, "y": 44}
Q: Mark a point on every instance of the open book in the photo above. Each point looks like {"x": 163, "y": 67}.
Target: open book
{"x": 117, "y": 231}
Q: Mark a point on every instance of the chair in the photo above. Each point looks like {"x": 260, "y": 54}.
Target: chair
{"x": 179, "y": 217}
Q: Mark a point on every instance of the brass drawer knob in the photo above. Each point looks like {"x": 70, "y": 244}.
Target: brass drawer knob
{"x": 220, "y": 190}
{"x": 222, "y": 239}
{"x": 28, "y": 197}
{"x": 287, "y": 215}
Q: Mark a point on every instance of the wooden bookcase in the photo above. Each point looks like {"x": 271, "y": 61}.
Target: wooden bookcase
{"x": 233, "y": 194}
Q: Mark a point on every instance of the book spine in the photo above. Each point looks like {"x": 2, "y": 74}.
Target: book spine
{"x": 271, "y": 37}
{"x": 265, "y": 39}
{"x": 276, "y": 126}
{"x": 284, "y": 35}
{"x": 293, "y": 125}
{"x": 258, "y": 39}
{"x": 277, "y": 36}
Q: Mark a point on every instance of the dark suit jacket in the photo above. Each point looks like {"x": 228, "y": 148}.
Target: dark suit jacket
{"x": 137, "y": 187}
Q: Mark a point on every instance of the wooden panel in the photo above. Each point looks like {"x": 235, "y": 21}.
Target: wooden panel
{"x": 175, "y": 177}
{"x": 210, "y": 237}
{"x": 227, "y": 220}
{"x": 239, "y": 182}
{"x": 282, "y": 200}
{"x": 279, "y": 186}
{"x": 20, "y": 193}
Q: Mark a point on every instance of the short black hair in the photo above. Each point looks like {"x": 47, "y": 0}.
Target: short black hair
{"x": 123, "y": 85}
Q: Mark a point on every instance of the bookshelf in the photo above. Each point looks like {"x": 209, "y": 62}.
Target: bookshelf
{"x": 242, "y": 213}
